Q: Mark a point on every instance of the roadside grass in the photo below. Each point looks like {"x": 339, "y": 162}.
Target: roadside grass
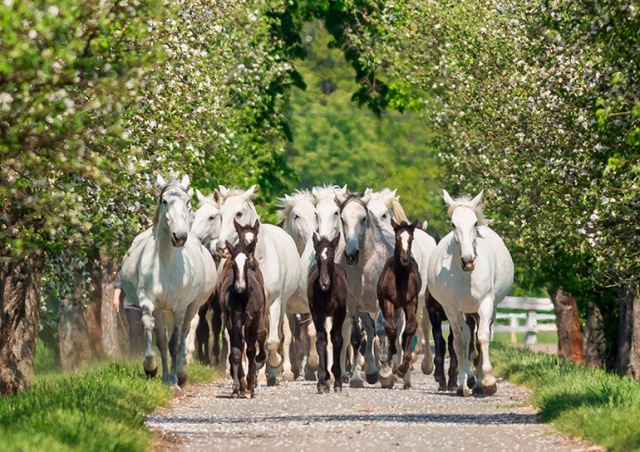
{"x": 100, "y": 408}
{"x": 544, "y": 337}
{"x": 589, "y": 403}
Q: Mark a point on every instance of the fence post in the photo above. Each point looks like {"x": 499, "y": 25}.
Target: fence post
{"x": 530, "y": 337}
{"x": 513, "y": 323}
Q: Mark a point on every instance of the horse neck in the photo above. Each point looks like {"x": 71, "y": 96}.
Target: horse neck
{"x": 399, "y": 269}
{"x": 373, "y": 237}
{"x": 165, "y": 249}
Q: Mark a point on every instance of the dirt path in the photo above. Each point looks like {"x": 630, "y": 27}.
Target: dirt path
{"x": 293, "y": 417}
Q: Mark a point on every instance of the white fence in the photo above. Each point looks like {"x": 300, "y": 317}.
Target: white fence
{"x": 536, "y": 309}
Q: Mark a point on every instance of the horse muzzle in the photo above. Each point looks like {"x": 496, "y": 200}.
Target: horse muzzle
{"x": 352, "y": 257}
{"x": 468, "y": 266}
{"x": 179, "y": 239}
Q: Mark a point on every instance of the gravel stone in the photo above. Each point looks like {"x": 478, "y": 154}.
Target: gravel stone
{"x": 293, "y": 417}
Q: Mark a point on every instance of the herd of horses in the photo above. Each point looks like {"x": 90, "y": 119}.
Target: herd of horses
{"x": 367, "y": 278}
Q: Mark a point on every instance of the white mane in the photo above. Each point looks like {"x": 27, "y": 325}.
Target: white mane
{"x": 288, "y": 202}
{"x": 463, "y": 201}
{"x": 327, "y": 192}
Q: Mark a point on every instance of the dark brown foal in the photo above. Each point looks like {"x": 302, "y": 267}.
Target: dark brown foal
{"x": 327, "y": 293}
{"x": 398, "y": 288}
{"x": 243, "y": 304}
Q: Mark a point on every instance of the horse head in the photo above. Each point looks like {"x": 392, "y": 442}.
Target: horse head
{"x": 241, "y": 256}
{"x": 355, "y": 220}
{"x": 174, "y": 209}
{"x": 299, "y": 215}
{"x": 328, "y": 209}
{"x": 404, "y": 239}
{"x": 325, "y": 256}
{"x": 206, "y": 221}
{"x": 237, "y": 206}
{"x": 466, "y": 216}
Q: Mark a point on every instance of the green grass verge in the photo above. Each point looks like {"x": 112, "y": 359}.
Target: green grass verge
{"x": 98, "y": 409}
{"x": 544, "y": 337}
{"x": 589, "y": 403}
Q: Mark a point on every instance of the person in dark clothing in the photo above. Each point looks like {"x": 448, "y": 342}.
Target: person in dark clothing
{"x": 134, "y": 319}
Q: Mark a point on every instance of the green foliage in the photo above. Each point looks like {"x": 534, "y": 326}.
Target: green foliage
{"x": 588, "y": 403}
{"x": 337, "y": 142}
{"x": 99, "y": 409}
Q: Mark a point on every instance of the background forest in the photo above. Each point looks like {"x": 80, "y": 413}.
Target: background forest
{"x": 537, "y": 103}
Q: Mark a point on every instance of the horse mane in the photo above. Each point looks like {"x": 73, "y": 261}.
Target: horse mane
{"x": 208, "y": 200}
{"x": 326, "y": 192}
{"x": 232, "y": 192}
{"x": 287, "y": 204}
{"x": 463, "y": 201}
{"x": 393, "y": 204}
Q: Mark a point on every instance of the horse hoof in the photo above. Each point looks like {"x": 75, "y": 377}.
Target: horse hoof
{"x": 344, "y": 379}
{"x": 463, "y": 392}
{"x": 337, "y": 388}
{"x": 182, "y": 380}
{"x": 358, "y": 384}
{"x": 372, "y": 378}
{"x": 176, "y": 390}
{"x": 235, "y": 395}
{"x": 312, "y": 365}
{"x": 387, "y": 384}
{"x": 443, "y": 388}
{"x": 450, "y": 388}
{"x": 151, "y": 373}
{"x": 272, "y": 381}
{"x": 288, "y": 376}
{"x": 248, "y": 394}
{"x": 471, "y": 381}
{"x": 310, "y": 376}
{"x": 490, "y": 390}
{"x": 406, "y": 386}
{"x": 262, "y": 379}
{"x": 427, "y": 367}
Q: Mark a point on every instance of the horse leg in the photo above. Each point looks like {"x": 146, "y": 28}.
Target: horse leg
{"x": 486, "y": 382}
{"x": 356, "y": 342}
{"x": 474, "y": 356}
{"x": 388, "y": 346}
{"x": 313, "y": 358}
{"x": 371, "y": 371}
{"x": 202, "y": 334}
{"x": 186, "y": 323}
{"x": 427, "y": 361}
{"x": 251, "y": 333}
{"x": 276, "y": 317}
{"x": 287, "y": 373}
{"x": 417, "y": 351}
{"x": 162, "y": 342}
{"x": 440, "y": 349}
{"x": 344, "y": 351}
{"x": 453, "y": 365}
{"x": 396, "y": 358}
{"x": 148, "y": 324}
{"x": 235, "y": 356}
{"x": 336, "y": 347}
{"x": 411, "y": 325}
{"x": 216, "y": 326}
{"x": 321, "y": 345}
{"x": 461, "y": 345}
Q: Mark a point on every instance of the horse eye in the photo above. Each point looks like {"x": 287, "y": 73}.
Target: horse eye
{"x": 476, "y": 225}
{"x": 212, "y": 217}
{"x": 164, "y": 201}
{"x": 296, "y": 216}
{"x": 335, "y": 214}
{"x": 239, "y": 215}
{"x": 384, "y": 216}
{"x": 453, "y": 225}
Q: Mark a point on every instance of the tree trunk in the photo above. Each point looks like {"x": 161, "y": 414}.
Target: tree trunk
{"x": 568, "y": 323}
{"x": 594, "y": 343}
{"x": 74, "y": 336}
{"x": 19, "y": 299}
{"x": 628, "y": 356}
{"x": 94, "y": 309}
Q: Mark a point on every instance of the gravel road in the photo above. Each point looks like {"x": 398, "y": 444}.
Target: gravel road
{"x": 292, "y": 417}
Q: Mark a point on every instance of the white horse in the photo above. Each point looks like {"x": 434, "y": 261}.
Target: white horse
{"x": 169, "y": 275}
{"x": 278, "y": 259}
{"x": 298, "y": 214}
{"x": 470, "y": 272}
{"x": 366, "y": 250}
{"x": 385, "y": 205}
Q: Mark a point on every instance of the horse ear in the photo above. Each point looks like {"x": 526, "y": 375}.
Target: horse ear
{"x": 160, "y": 182}
{"x": 414, "y": 224}
{"x": 340, "y": 199}
{"x": 185, "y": 181}
{"x": 425, "y": 223}
{"x": 394, "y": 225}
{"x": 447, "y": 199}
{"x": 314, "y": 192}
{"x": 256, "y": 226}
{"x": 223, "y": 191}
{"x": 200, "y": 196}
{"x": 190, "y": 192}
{"x": 344, "y": 190}
{"x": 475, "y": 202}
{"x": 249, "y": 193}
{"x": 316, "y": 239}
{"x": 230, "y": 246}
{"x": 237, "y": 225}
{"x": 217, "y": 197}
{"x": 367, "y": 196}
